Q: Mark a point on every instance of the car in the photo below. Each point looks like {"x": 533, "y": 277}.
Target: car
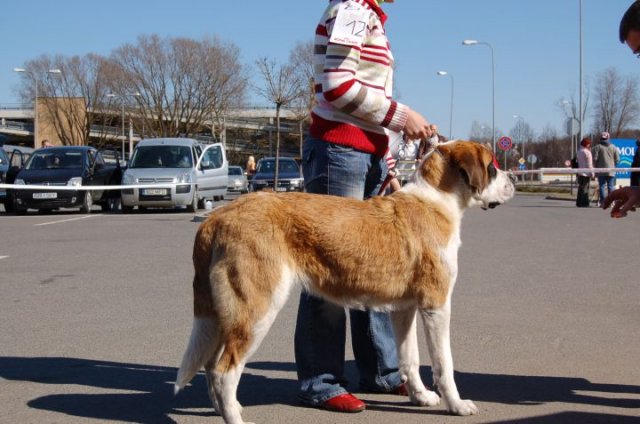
{"x": 289, "y": 176}
{"x": 186, "y": 172}
{"x": 17, "y": 157}
{"x": 237, "y": 180}
{"x": 74, "y": 166}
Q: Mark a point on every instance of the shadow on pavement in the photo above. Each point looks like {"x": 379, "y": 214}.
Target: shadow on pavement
{"x": 150, "y": 396}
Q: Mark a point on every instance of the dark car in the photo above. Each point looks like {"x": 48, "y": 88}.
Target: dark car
{"x": 66, "y": 166}
{"x": 289, "y": 176}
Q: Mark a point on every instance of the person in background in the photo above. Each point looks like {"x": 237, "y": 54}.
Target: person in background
{"x": 46, "y": 143}
{"x": 605, "y": 155}
{"x": 585, "y": 161}
{"x": 250, "y": 168}
{"x": 344, "y": 155}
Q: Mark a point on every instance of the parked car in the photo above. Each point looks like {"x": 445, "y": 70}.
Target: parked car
{"x": 17, "y": 157}
{"x": 191, "y": 172}
{"x": 237, "y": 180}
{"x": 66, "y": 166}
{"x": 289, "y": 176}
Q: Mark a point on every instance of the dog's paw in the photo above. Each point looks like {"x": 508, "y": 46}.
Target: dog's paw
{"x": 425, "y": 398}
{"x": 463, "y": 407}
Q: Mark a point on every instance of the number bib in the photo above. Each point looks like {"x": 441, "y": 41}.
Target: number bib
{"x": 350, "y": 25}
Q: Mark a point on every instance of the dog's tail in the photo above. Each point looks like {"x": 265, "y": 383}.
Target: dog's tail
{"x": 204, "y": 346}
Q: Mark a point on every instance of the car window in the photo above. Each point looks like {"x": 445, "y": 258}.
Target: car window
{"x": 162, "y": 156}
{"x": 267, "y": 166}
{"x": 214, "y": 156}
{"x": 235, "y": 170}
{"x": 4, "y": 160}
{"x": 55, "y": 160}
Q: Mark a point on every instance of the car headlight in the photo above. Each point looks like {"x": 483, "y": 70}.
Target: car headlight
{"x": 296, "y": 182}
{"x": 185, "y": 178}
{"x": 128, "y": 179}
{"x": 19, "y": 181}
{"x": 75, "y": 182}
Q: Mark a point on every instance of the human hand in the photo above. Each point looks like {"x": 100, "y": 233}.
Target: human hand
{"x": 624, "y": 199}
{"x": 417, "y": 126}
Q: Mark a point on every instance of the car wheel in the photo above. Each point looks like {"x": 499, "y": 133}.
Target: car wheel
{"x": 87, "y": 202}
{"x": 193, "y": 206}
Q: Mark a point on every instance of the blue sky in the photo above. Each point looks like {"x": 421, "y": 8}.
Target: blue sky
{"x": 536, "y": 45}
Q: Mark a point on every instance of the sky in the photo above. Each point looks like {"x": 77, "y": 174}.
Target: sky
{"x": 535, "y": 44}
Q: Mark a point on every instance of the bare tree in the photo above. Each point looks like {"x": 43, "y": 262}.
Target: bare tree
{"x": 617, "y": 104}
{"x": 282, "y": 85}
{"x": 301, "y": 58}
{"x": 72, "y": 98}
{"x": 185, "y": 85}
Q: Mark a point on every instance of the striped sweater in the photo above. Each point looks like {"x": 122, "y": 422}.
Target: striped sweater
{"x": 353, "y": 78}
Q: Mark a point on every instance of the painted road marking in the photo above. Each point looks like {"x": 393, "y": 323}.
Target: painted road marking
{"x": 65, "y": 220}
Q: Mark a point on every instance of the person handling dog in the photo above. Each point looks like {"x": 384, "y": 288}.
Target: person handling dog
{"x": 344, "y": 156}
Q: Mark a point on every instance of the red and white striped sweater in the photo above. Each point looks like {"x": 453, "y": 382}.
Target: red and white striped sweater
{"x": 353, "y": 82}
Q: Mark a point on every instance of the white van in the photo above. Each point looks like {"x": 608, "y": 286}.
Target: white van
{"x": 196, "y": 172}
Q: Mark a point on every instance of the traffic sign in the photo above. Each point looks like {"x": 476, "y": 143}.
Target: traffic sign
{"x": 521, "y": 161}
{"x": 505, "y": 143}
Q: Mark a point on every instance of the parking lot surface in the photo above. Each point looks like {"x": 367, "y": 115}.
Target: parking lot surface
{"x": 96, "y": 310}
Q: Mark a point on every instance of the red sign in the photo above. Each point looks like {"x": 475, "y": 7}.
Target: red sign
{"x": 505, "y": 143}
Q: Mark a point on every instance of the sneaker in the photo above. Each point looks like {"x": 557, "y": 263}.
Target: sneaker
{"x": 400, "y": 390}
{"x": 345, "y": 402}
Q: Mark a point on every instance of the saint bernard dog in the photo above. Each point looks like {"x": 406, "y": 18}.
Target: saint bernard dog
{"x": 339, "y": 249}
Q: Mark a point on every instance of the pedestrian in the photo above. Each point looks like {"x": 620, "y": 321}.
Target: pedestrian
{"x": 635, "y": 176}
{"x": 585, "y": 161}
{"x": 251, "y": 167}
{"x": 605, "y": 155}
{"x": 46, "y": 143}
{"x": 344, "y": 155}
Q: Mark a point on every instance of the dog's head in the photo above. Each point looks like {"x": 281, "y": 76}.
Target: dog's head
{"x": 469, "y": 170}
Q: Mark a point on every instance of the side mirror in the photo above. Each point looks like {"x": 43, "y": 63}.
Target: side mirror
{"x": 205, "y": 164}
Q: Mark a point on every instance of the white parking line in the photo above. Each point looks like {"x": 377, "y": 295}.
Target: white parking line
{"x": 65, "y": 220}
{"x": 3, "y": 257}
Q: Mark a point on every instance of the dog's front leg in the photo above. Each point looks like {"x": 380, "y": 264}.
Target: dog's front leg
{"x": 438, "y": 340}
{"x": 404, "y": 326}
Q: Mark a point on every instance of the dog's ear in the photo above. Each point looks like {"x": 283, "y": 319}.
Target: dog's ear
{"x": 473, "y": 164}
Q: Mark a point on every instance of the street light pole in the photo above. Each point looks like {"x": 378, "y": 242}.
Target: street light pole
{"x": 493, "y": 85}
{"x": 35, "y": 103}
{"x": 122, "y": 97}
{"x": 443, "y": 73}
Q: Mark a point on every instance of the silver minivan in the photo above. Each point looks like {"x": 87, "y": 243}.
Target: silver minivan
{"x": 191, "y": 172}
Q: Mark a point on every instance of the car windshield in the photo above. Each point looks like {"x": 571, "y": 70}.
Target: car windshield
{"x": 235, "y": 170}
{"x": 55, "y": 160}
{"x": 268, "y": 166}
{"x": 161, "y": 156}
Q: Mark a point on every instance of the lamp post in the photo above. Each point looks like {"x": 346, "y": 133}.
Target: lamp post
{"x": 493, "y": 86}
{"x": 35, "y": 103}
{"x": 122, "y": 97}
{"x": 445, "y": 73}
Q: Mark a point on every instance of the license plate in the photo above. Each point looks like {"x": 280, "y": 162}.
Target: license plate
{"x": 154, "y": 191}
{"x": 281, "y": 189}
{"x": 45, "y": 195}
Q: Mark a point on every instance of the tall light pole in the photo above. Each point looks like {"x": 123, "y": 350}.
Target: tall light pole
{"x": 580, "y": 79}
{"x": 122, "y": 97}
{"x": 493, "y": 86}
{"x": 443, "y": 73}
{"x": 34, "y": 75}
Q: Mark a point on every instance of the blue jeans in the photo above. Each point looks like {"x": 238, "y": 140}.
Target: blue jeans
{"x": 605, "y": 183}
{"x": 321, "y": 325}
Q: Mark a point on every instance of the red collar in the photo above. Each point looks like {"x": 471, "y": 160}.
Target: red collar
{"x": 376, "y": 8}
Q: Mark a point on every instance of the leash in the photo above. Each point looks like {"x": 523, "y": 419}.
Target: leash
{"x": 432, "y": 147}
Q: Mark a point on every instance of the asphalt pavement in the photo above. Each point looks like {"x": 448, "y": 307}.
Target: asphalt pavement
{"x": 96, "y": 310}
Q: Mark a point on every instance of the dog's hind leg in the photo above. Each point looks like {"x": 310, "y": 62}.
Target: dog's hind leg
{"x": 405, "y": 330}
{"x": 437, "y": 328}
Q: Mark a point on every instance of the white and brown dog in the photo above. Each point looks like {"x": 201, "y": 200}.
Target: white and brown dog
{"x": 338, "y": 248}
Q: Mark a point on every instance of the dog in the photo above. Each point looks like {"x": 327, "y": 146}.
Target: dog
{"x": 338, "y": 248}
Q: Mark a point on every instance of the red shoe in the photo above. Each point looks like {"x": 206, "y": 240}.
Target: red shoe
{"x": 343, "y": 403}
